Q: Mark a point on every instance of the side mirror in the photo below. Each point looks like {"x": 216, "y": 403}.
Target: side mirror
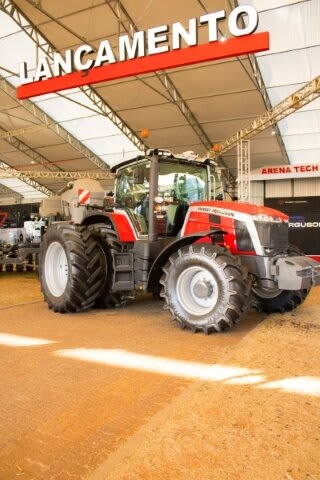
{"x": 138, "y": 176}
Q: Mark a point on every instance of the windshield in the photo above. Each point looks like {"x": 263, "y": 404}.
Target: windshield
{"x": 179, "y": 184}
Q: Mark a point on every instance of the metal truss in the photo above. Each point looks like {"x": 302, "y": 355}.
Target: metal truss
{"x": 9, "y": 193}
{"x": 28, "y": 151}
{"x": 289, "y": 105}
{"x": 50, "y": 123}
{"x": 244, "y": 171}
{"x": 241, "y": 139}
{"x": 20, "y": 131}
{"x": 24, "y": 148}
{"x": 9, "y": 172}
{"x": 130, "y": 28}
{"x": 118, "y": 9}
{"x": 48, "y": 48}
{"x": 258, "y": 81}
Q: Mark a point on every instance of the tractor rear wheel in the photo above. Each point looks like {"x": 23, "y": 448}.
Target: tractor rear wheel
{"x": 204, "y": 287}
{"x": 109, "y": 244}
{"x": 272, "y": 300}
{"x": 70, "y": 268}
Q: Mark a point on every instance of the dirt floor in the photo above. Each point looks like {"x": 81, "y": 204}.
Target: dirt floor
{"x": 125, "y": 394}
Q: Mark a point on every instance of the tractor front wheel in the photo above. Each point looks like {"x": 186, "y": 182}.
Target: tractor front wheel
{"x": 272, "y": 300}
{"x": 204, "y": 287}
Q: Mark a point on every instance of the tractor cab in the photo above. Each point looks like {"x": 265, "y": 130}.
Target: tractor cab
{"x": 157, "y": 189}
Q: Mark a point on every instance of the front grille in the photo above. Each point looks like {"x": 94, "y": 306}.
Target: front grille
{"x": 244, "y": 241}
{"x": 273, "y": 234}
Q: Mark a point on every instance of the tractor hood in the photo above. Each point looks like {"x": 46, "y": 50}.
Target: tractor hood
{"x": 245, "y": 208}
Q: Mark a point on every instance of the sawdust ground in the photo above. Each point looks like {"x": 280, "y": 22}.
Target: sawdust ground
{"x": 261, "y": 424}
{"x": 244, "y": 427}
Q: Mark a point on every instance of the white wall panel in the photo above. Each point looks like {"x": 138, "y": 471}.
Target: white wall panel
{"x": 307, "y": 187}
{"x": 301, "y": 66}
{"x": 302, "y": 187}
{"x": 303, "y": 156}
{"x": 293, "y": 27}
{"x": 275, "y": 189}
{"x": 262, "y": 5}
{"x": 302, "y": 141}
{"x": 300, "y": 122}
{"x": 257, "y": 193}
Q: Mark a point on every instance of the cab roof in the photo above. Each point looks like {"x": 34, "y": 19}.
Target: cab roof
{"x": 165, "y": 155}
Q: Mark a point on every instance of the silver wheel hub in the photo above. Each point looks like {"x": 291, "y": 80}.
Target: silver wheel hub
{"x": 203, "y": 289}
{"x": 197, "y": 290}
{"x": 56, "y": 269}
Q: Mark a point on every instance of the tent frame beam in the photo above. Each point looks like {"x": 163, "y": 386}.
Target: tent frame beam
{"x": 9, "y": 172}
{"x": 48, "y": 48}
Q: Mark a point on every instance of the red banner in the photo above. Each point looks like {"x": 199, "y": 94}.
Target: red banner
{"x": 232, "y": 47}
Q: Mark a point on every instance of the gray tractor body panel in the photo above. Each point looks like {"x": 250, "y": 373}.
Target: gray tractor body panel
{"x": 297, "y": 273}
{"x": 283, "y": 272}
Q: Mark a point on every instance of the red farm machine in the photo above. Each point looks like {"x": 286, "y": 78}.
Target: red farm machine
{"x": 163, "y": 234}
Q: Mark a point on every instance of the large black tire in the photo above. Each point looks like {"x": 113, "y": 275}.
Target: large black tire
{"x": 108, "y": 241}
{"x": 275, "y": 300}
{"x": 204, "y": 287}
{"x": 70, "y": 268}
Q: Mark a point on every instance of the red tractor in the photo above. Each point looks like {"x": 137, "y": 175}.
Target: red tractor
{"x": 208, "y": 259}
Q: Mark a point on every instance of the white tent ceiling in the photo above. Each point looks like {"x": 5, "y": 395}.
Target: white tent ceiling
{"x": 223, "y": 96}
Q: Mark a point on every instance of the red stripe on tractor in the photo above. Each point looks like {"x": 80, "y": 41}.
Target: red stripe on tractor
{"x": 314, "y": 257}
{"x": 123, "y": 227}
{"x": 84, "y": 196}
{"x": 232, "y": 47}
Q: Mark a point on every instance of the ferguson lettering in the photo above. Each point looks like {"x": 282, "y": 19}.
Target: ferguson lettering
{"x": 304, "y": 224}
{"x": 217, "y": 211}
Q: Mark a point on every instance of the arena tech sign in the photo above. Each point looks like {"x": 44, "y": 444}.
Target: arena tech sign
{"x": 158, "y": 48}
{"x": 282, "y": 172}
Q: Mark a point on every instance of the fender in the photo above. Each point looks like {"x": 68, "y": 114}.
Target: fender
{"x": 119, "y": 220}
{"x": 91, "y": 219}
{"x": 101, "y": 217}
{"x": 156, "y": 269}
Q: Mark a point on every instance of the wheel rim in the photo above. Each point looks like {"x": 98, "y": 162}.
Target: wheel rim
{"x": 56, "y": 269}
{"x": 197, "y": 290}
{"x": 267, "y": 292}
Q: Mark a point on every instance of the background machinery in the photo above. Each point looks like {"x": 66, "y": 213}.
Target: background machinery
{"x": 19, "y": 246}
{"x": 208, "y": 259}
